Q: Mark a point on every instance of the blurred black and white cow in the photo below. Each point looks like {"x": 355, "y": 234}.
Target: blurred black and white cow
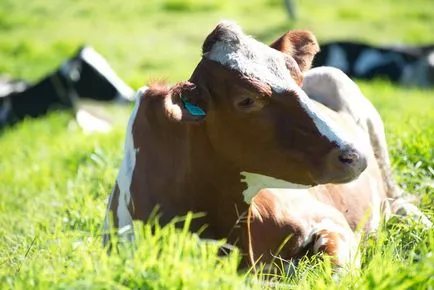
{"x": 405, "y": 65}
{"x": 87, "y": 75}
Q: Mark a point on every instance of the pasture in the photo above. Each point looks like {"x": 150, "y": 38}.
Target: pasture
{"x": 54, "y": 179}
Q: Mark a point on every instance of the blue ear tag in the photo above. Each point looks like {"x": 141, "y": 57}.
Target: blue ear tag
{"x": 193, "y": 109}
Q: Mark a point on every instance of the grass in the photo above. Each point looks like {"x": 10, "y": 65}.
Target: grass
{"x": 162, "y": 38}
{"x": 54, "y": 179}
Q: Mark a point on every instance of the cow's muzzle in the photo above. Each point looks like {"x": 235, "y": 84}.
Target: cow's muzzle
{"x": 342, "y": 165}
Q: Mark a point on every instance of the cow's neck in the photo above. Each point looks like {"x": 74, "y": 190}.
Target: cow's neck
{"x": 214, "y": 184}
{"x": 177, "y": 169}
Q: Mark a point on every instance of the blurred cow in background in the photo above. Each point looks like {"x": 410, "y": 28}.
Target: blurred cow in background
{"x": 403, "y": 64}
{"x": 84, "y": 76}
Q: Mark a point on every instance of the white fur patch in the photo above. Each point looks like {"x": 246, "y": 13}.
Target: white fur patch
{"x": 126, "y": 171}
{"x": 322, "y": 241}
{"x": 324, "y": 224}
{"x": 102, "y": 66}
{"x": 256, "y": 182}
{"x": 324, "y": 124}
{"x": 346, "y": 246}
{"x": 253, "y": 58}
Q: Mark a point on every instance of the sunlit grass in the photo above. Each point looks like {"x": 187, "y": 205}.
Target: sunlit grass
{"x": 54, "y": 179}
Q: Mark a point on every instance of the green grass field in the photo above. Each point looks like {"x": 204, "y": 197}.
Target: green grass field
{"x": 54, "y": 179}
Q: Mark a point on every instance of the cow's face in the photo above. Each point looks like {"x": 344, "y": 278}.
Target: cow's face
{"x": 257, "y": 116}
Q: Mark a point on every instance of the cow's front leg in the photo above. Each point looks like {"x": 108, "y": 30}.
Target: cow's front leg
{"x": 337, "y": 242}
{"x": 287, "y": 224}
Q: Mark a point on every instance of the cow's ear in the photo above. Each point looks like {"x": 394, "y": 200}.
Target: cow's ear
{"x": 185, "y": 103}
{"x": 301, "y": 45}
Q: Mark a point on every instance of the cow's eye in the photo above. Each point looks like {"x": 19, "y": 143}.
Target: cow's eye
{"x": 246, "y": 102}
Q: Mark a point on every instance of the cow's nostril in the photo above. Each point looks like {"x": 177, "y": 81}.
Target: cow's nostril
{"x": 342, "y": 165}
{"x": 349, "y": 157}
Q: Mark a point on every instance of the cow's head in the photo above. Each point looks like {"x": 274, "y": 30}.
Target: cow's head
{"x": 257, "y": 116}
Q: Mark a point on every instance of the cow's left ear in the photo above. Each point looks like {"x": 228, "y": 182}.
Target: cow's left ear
{"x": 301, "y": 45}
{"x": 185, "y": 103}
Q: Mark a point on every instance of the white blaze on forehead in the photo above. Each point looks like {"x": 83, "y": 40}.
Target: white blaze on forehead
{"x": 126, "y": 171}
{"x": 250, "y": 57}
{"x": 238, "y": 51}
{"x": 256, "y": 182}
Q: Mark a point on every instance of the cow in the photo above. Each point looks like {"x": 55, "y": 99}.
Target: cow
{"x": 402, "y": 64}
{"x": 85, "y": 75}
{"x": 242, "y": 141}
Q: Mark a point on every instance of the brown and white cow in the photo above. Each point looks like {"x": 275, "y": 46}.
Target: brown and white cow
{"x": 260, "y": 130}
